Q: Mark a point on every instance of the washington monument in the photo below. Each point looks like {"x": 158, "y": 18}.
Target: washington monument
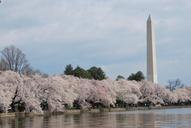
{"x": 151, "y": 52}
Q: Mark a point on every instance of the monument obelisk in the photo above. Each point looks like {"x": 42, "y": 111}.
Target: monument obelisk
{"x": 151, "y": 52}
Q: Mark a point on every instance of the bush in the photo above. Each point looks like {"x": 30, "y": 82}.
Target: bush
{"x": 137, "y": 76}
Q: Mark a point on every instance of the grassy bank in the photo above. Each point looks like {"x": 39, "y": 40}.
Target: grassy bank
{"x": 78, "y": 111}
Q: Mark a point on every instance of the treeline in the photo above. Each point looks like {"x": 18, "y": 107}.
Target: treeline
{"x": 139, "y": 76}
{"x": 98, "y": 74}
{"x": 92, "y": 73}
{"x": 13, "y": 59}
{"x": 60, "y": 92}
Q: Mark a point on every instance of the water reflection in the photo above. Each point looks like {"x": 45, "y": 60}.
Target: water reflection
{"x": 176, "y": 118}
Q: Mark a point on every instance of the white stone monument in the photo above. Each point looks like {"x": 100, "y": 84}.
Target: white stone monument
{"x": 151, "y": 52}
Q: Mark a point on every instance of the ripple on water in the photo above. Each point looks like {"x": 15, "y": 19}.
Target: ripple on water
{"x": 168, "y": 118}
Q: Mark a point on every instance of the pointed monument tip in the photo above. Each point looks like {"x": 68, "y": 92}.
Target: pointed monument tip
{"x": 149, "y": 18}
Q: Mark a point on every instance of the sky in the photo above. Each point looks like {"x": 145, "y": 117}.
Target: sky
{"x": 106, "y": 33}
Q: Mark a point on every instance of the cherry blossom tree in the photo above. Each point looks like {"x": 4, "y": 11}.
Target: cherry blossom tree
{"x": 59, "y": 92}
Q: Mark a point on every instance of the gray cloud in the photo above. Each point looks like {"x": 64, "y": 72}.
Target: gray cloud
{"x": 107, "y": 33}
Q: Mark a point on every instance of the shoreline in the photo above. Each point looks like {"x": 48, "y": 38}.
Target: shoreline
{"x": 78, "y": 111}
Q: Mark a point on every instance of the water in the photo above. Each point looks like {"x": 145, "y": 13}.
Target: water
{"x": 169, "y": 118}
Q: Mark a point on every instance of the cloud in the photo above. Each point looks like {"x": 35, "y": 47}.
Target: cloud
{"x": 108, "y": 33}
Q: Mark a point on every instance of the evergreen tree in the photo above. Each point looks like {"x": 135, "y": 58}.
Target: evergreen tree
{"x": 120, "y": 77}
{"x": 68, "y": 70}
{"x": 97, "y": 73}
{"x": 137, "y": 76}
{"x": 81, "y": 73}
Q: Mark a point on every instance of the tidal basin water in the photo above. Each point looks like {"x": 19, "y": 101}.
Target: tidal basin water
{"x": 168, "y": 118}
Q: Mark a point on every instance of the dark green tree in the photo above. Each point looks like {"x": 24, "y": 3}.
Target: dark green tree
{"x": 137, "y": 76}
{"x": 69, "y": 70}
{"x": 81, "y": 73}
{"x": 97, "y": 73}
{"x": 120, "y": 77}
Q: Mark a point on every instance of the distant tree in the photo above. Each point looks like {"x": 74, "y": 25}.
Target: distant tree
{"x": 29, "y": 71}
{"x": 3, "y": 65}
{"x": 97, "y": 73}
{"x": 69, "y": 70}
{"x": 120, "y": 77}
{"x": 38, "y": 72}
{"x": 81, "y": 73}
{"x": 137, "y": 76}
{"x": 14, "y": 59}
{"x": 174, "y": 84}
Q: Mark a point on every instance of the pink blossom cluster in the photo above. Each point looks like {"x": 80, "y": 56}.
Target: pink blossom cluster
{"x": 61, "y": 91}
